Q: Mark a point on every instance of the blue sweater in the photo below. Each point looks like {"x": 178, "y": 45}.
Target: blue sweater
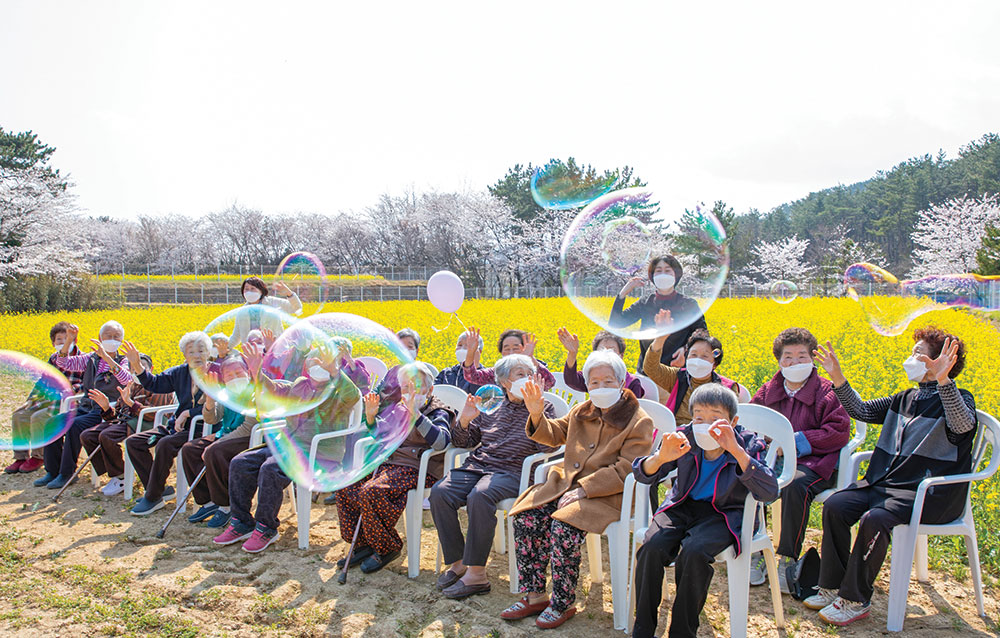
{"x": 178, "y": 381}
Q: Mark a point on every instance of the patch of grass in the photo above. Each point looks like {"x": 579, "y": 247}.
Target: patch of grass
{"x": 210, "y": 598}
{"x": 163, "y": 553}
{"x": 97, "y": 512}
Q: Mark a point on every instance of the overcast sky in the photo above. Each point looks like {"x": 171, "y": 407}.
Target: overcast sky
{"x": 186, "y": 107}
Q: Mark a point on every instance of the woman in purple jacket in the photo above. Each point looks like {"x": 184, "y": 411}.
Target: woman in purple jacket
{"x": 604, "y": 340}
{"x": 822, "y": 429}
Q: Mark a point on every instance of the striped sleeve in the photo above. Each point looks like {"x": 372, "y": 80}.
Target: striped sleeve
{"x": 868, "y": 411}
{"x": 436, "y": 428}
{"x": 72, "y": 363}
{"x": 959, "y": 409}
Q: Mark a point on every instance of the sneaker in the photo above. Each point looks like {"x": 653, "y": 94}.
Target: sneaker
{"x": 784, "y": 562}
{"x": 169, "y": 494}
{"x": 219, "y": 519}
{"x": 14, "y": 467}
{"x": 427, "y": 503}
{"x": 145, "y": 507}
{"x": 204, "y": 513}
{"x": 45, "y": 480}
{"x": 843, "y": 612}
{"x": 330, "y": 500}
{"x": 114, "y": 487}
{"x": 235, "y": 533}
{"x": 820, "y": 599}
{"x": 59, "y": 482}
{"x": 260, "y": 539}
{"x": 31, "y": 465}
{"x": 758, "y": 569}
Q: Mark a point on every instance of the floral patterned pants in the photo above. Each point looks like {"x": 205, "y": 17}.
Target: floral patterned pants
{"x": 379, "y": 500}
{"x": 540, "y": 539}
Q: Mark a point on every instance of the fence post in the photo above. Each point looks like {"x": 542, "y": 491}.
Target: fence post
{"x": 361, "y": 291}
{"x": 409, "y": 276}
{"x": 203, "y": 293}
{"x": 227, "y": 292}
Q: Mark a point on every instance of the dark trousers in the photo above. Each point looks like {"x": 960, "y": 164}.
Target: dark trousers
{"x": 154, "y": 470}
{"x": 109, "y": 437}
{"x": 691, "y": 536}
{"x": 540, "y": 539}
{"x": 70, "y": 449}
{"x": 479, "y": 492}
{"x": 853, "y": 571}
{"x": 257, "y": 470}
{"x": 795, "y": 501}
{"x": 213, "y": 455}
{"x": 378, "y": 500}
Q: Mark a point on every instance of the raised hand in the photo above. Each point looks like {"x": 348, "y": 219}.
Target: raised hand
{"x": 280, "y": 286}
{"x": 679, "y": 358}
{"x": 180, "y": 420}
{"x": 125, "y": 393}
{"x": 469, "y": 411}
{"x": 674, "y": 446}
{"x": 268, "y": 338}
{"x": 632, "y": 284}
{"x": 71, "y": 334}
{"x": 471, "y": 352}
{"x": 530, "y": 342}
{"x": 99, "y": 398}
{"x": 132, "y": 354}
{"x": 253, "y": 357}
{"x": 569, "y": 341}
{"x": 724, "y": 434}
{"x": 944, "y": 362}
{"x": 371, "y": 406}
{"x": 827, "y": 359}
{"x": 98, "y": 347}
{"x": 663, "y": 319}
{"x": 532, "y": 394}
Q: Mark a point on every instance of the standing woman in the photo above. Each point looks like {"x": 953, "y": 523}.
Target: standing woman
{"x": 255, "y": 313}
{"x": 664, "y": 272}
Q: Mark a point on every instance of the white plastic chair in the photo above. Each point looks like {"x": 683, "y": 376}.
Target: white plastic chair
{"x": 559, "y": 405}
{"x": 650, "y": 390}
{"x": 160, "y": 416}
{"x": 744, "y": 394}
{"x": 67, "y": 404}
{"x": 909, "y": 542}
{"x": 433, "y": 369}
{"x": 571, "y": 396}
{"x": 770, "y": 424}
{"x": 376, "y": 368}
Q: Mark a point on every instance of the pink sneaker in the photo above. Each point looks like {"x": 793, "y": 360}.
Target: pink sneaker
{"x": 231, "y": 535}
{"x": 259, "y": 542}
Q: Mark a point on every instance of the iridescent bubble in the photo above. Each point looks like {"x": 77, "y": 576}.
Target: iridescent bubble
{"x": 305, "y": 275}
{"x": 890, "y": 304}
{"x": 563, "y": 186}
{"x": 31, "y": 393}
{"x": 783, "y": 291}
{"x": 490, "y": 398}
{"x": 594, "y": 272}
{"x": 333, "y": 445}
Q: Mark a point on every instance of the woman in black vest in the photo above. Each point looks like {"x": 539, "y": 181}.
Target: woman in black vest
{"x": 926, "y": 431}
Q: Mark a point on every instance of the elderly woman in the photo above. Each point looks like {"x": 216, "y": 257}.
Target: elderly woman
{"x": 604, "y": 341}
{"x": 380, "y": 498}
{"x": 455, "y": 375}
{"x": 702, "y": 355}
{"x": 664, "y": 272}
{"x": 490, "y": 474}
{"x": 103, "y": 370}
{"x": 603, "y": 436}
{"x": 926, "y": 431}
{"x": 167, "y": 440}
{"x": 822, "y": 429}
{"x": 256, "y": 311}
{"x": 510, "y": 342}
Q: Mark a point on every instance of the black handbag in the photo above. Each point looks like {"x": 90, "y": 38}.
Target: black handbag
{"x": 803, "y": 575}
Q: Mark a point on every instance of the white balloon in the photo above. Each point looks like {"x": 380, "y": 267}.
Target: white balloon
{"x": 446, "y": 291}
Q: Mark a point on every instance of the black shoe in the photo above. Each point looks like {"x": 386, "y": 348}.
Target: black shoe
{"x": 330, "y": 500}
{"x": 359, "y": 555}
{"x": 376, "y": 562}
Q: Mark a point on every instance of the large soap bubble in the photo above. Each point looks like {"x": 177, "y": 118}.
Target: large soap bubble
{"x": 31, "y": 393}
{"x": 490, "y": 398}
{"x": 332, "y": 445}
{"x": 783, "y": 291}
{"x": 305, "y": 275}
{"x": 616, "y": 237}
{"x": 564, "y": 186}
{"x": 890, "y": 304}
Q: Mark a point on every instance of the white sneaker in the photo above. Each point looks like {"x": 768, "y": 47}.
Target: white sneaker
{"x": 114, "y": 487}
{"x": 758, "y": 569}
{"x": 821, "y": 599}
{"x": 843, "y": 612}
{"x": 427, "y": 503}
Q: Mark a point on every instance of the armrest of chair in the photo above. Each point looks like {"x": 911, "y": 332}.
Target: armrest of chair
{"x": 530, "y": 461}
{"x": 453, "y": 456}
{"x": 194, "y": 426}
{"x": 931, "y": 481}
{"x": 628, "y": 496}
{"x": 324, "y": 436}
{"x": 856, "y": 459}
{"x": 844, "y": 476}
{"x": 425, "y": 458}
{"x": 64, "y": 405}
{"x": 747, "y": 528}
{"x": 543, "y": 470}
{"x": 257, "y": 432}
{"x": 160, "y": 416}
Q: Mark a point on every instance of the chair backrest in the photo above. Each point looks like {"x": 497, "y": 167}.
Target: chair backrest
{"x": 650, "y": 390}
{"x": 376, "y": 369}
{"x": 558, "y": 403}
{"x": 571, "y": 396}
{"x": 774, "y": 426}
{"x": 989, "y": 436}
{"x": 663, "y": 419}
{"x": 452, "y": 396}
{"x": 432, "y": 368}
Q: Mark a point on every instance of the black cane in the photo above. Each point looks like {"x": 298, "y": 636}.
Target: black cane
{"x": 76, "y": 474}
{"x": 181, "y": 502}
{"x": 350, "y": 551}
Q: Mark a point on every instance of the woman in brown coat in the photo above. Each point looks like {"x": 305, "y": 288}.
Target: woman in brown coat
{"x": 583, "y": 494}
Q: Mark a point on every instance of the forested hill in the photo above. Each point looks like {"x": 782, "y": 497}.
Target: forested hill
{"x": 882, "y": 210}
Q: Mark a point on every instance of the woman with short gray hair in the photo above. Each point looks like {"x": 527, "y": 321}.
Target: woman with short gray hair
{"x": 490, "y": 474}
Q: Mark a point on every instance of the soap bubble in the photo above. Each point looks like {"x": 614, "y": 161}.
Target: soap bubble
{"x": 890, "y": 304}
{"x": 561, "y": 186}
{"x": 331, "y": 445}
{"x": 305, "y": 275}
{"x": 31, "y": 393}
{"x": 783, "y": 291}
{"x": 490, "y": 398}
{"x": 593, "y": 269}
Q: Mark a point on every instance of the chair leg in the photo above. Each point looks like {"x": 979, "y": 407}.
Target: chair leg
{"x": 904, "y": 543}
{"x": 594, "y": 557}
{"x": 776, "y": 520}
{"x": 291, "y": 498}
{"x": 129, "y": 478}
{"x": 438, "y": 560}
{"x": 515, "y": 577}
{"x": 921, "y": 558}
{"x": 94, "y": 479}
{"x": 972, "y": 547}
{"x": 412, "y": 516}
{"x": 738, "y": 575}
{"x": 182, "y": 484}
{"x": 303, "y": 512}
{"x": 618, "y": 559}
{"x": 499, "y": 540}
{"x": 772, "y": 582}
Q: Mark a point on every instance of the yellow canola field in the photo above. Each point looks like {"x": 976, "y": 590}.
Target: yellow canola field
{"x": 746, "y": 328}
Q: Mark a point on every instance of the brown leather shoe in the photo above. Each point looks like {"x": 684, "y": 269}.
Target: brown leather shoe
{"x": 549, "y": 619}
{"x": 447, "y": 579}
{"x": 523, "y": 609}
{"x": 461, "y": 591}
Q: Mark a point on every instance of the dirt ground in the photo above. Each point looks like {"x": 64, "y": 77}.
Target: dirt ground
{"x": 85, "y": 567}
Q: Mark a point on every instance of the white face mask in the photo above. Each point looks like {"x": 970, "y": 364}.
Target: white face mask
{"x": 252, "y": 295}
{"x": 460, "y": 355}
{"x": 237, "y": 385}
{"x": 915, "y": 369}
{"x": 699, "y": 368}
{"x": 664, "y": 282}
{"x": 604, "y": 398}
{"x": 413, "y": 353}
{"x": 703, "y": 438}
{"x": 111, "y": 345}
{"x": 797, "y": 373}
{"x": 517, "y": 387}
{"x": 319, "y": 374}
{"x": 215, "y": 352}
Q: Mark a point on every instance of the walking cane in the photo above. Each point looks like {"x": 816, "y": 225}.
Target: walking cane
{"x": 350, "y": 551}
{"x": 76, "y": 474}
{"x": 181, "y": 502}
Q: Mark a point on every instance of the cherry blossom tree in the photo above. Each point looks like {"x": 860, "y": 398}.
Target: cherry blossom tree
{"x": 781, "y": 260}
{"x": 949, "y": 235}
